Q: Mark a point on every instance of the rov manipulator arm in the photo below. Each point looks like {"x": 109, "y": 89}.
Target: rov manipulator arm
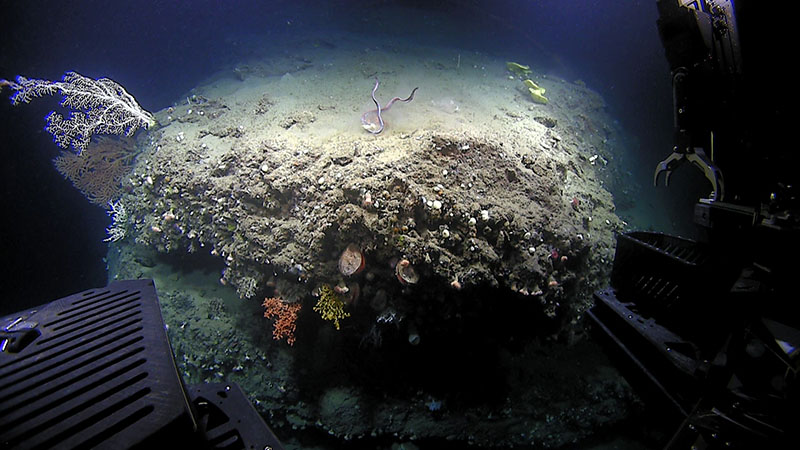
{"x": 701, "y": 43}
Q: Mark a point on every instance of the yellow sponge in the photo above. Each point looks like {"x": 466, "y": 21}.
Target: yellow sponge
{"x": 537, "y": 93}
{"x": 531, "y": 85}
{"x": 518, "y": 69}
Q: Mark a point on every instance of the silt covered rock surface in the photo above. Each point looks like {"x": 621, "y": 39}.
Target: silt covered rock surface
{"x": 477, "y": 226}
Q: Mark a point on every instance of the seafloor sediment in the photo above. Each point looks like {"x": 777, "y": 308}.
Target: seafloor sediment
{"x": 481, "y": 216}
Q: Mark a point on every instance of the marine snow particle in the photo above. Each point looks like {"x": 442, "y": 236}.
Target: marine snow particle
{"x": 437, "y": 204}
{"x": 352, "y": 261}
{"x": 405, "y": 272}
{"x": 484, "y": 215}
{"x": 413, "y": 335}
{"x": 472, "y": 221}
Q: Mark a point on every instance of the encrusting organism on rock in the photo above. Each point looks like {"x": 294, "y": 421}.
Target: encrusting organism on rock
{"x": 351, "y": 261}
{"x": 405, "y": 272}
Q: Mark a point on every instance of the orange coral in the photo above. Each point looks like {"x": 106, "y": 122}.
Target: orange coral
{"x": 284, "y": 316}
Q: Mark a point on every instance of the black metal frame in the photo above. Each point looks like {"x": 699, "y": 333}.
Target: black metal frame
{"x": 95, "y": 370}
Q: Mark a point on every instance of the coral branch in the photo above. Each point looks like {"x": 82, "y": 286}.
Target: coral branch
{"x": 96, "y": 107}
{"x": 330, "y": 306}
{"x": 284, "y": 317}
{"x": 99, "y": 170}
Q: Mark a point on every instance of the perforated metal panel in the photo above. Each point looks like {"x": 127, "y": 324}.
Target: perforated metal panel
{"x": 100, "y": 374}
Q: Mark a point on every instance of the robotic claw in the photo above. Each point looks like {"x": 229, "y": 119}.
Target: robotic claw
{"x": 700, "y": 160}
{"x": 709, "y": 330}
{"x": 702, "y": 46}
